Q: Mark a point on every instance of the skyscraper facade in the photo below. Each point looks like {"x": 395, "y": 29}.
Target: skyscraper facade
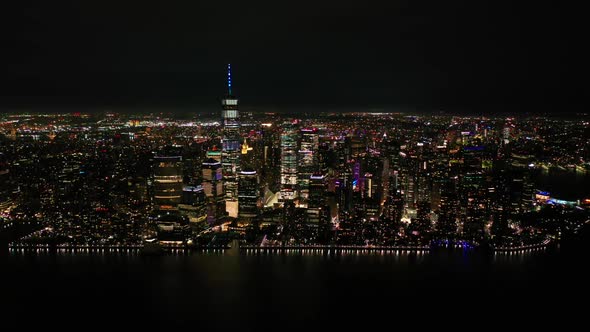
{"x": 248, "y": 195}
{"x": 307, "y": 159}
{"x": 167, "y": 182}
{"x": 289, "y": 146}
{"x": 231, "y": 146}
{"x": 213, "y": 187}
{"x": 317, "y": 210}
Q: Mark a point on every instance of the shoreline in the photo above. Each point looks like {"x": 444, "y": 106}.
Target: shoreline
{"x": 250, "y": 249}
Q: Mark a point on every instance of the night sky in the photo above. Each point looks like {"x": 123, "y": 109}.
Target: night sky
{"x": 319, "y": 54}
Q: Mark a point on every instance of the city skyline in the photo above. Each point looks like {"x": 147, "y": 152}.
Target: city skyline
{"x": 274, "y": 166}
{"x": 385, "y": 181}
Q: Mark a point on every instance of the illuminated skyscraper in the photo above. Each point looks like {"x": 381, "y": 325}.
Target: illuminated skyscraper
{"x": 167, "y": 182}
{"x": 248, "y": 194}
{"x": 370, "y": 201}
{"x": 448, "y": 211}
{"x": 194, "y": 203}
{"x": 288, "y": 161}
{"x": 271, "y": 170}
{"x": 213, "y": 187}
{"x": 231, "y": 146}
{"x": 317, "y": 210}
{"x": 394, "y": 206}
{"x": 473, "y": 193}
{"x": 308, "y": 159}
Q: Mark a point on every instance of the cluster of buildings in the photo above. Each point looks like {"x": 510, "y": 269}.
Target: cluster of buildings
{"x": 264, "y": 177}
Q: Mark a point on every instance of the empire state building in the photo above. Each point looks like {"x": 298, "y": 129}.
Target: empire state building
{"x": 231, "y": 144}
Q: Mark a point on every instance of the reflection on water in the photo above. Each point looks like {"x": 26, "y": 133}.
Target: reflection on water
{"x": 311, "y": 255}
{"x": 259, "y": 291}
{"x": 520, "y": 256}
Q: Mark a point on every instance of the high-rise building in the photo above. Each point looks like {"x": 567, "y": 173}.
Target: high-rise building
{"x": 317, "y": 209}
{"x": 289, "y": 145}
{"x": 422, "y": 220}
{"x": 522, "y": 192}
{"x": 423, "y": 177}
{"x": 448, "y": 209}
{"x": 167, "y": 182}
{"x": 394, "y": 206}
{"x": 473, "y": 193}
{"x": 213, "y": 187}
{"x": 370, "y": 201}
{"x": 408, "y": 179}
{"x": 248, "y": 195}
{"x": 307, "y": 159}
{"x": 271, "y": 159}
{"x": 194, "y": 204}
{"x": 500, "y": 206}
{"x": 231, "y": 147}
{"x": 249, "y": 158}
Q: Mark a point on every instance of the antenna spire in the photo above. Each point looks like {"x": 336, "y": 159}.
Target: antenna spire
{"x": 229, "y": 78}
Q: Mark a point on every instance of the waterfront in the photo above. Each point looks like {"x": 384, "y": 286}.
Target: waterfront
{"x": 221, "y": 291}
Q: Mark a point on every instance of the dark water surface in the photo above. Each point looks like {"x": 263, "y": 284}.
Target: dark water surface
{"x": 563, "y": 184}
{"x": 294, "y": 292}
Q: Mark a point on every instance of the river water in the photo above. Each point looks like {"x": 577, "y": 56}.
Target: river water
{"x": 563, "y": 184}
{"x": 261, "y": 292}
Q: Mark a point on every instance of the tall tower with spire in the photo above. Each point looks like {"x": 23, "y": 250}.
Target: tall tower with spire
{"x": 231, "y": 147}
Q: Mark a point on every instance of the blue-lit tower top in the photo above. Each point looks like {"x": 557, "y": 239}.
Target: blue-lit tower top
{"x": 229, "y": 78}
{"x": 229, "y": 101}
{"x": 230, "y": 104}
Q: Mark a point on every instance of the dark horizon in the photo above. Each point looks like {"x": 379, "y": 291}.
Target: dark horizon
{"x": 427, "y": 55}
